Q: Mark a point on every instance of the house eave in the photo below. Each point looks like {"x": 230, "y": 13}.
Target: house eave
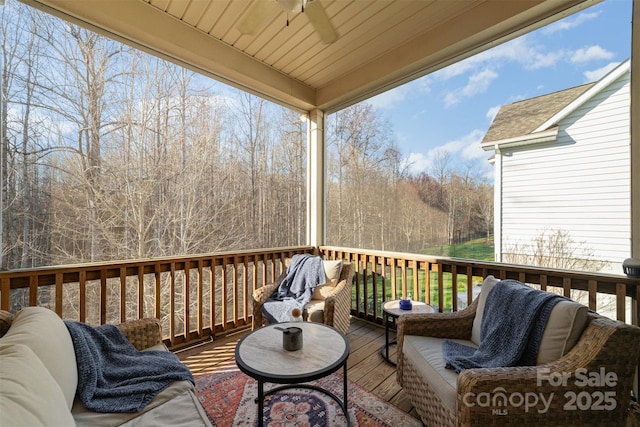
{"x": 522, "y": 141}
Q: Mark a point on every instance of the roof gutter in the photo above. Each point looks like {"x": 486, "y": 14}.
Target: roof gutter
{"x": 522, "y": 141}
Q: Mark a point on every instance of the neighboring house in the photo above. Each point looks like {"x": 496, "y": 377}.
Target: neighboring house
{"x": 562, "y": 164}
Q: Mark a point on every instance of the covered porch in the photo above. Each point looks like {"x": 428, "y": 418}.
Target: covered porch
{"x": 204, "y": 301}
{"x": 375, "y": 46}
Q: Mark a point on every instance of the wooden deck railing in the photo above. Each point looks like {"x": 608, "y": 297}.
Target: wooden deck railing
{"x": 194, "y": 296}
{"x": 199, "y": 296}
{"x": 382, "y": 276}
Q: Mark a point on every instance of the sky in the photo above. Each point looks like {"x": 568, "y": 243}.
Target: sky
{"x": 451, "y": 109}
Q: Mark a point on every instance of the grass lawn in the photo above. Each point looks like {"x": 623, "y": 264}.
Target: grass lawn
{"x": 476, "y": 249}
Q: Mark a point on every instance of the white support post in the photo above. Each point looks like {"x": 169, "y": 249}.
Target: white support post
{"x": 497, "y": 203}
{"x": 315, "y": 179}
{"x": 635, "y": 157}
{"x": 635, "y": 131}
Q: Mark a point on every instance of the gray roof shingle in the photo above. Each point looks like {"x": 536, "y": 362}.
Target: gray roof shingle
{"x": 523, "y": 117}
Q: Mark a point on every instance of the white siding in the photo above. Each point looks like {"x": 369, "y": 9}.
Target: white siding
{"x": 579, "y": 184}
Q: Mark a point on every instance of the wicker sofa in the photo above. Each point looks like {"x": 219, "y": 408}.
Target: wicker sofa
{"x": 331, "y": 303}
{"x": 39, "y": 377}
{"x": 585, "y": 380}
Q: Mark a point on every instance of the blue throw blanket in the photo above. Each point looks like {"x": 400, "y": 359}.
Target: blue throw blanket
{"x": 113, "y": 376}
{"x": 304, "y": 274}
{"x": 513, "y": 322}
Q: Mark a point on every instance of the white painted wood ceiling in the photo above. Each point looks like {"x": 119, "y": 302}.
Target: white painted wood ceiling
{"x": 380, "y": 44}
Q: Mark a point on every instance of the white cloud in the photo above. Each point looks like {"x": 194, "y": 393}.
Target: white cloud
{"x": 390, "y": 98}
{"x": 492, "y": 112}
{"x": 526, "y": 52}
{"x": 417, "y": 163}
{"x": 517, "y": 50}
{"x": 470, "y": 145}
{"x": 424, "y": 84}
{"x": 457, "y": 68}
{"x": 545, "y": 60}
{"x": 395, "y": 97}
{"x": 492, "y": 56}
{"x": 522, "y": 50}
{"x": 594, "y": 75}
{"x": 477, "y": 83}
{"x": 569, "y": 23}
{"x": 591, "y": 53}
{"x": 467, "y": 148}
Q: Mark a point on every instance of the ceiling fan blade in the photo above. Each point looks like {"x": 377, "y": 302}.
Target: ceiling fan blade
{"x": 321, "y": 22}
{"x": 256, "y": 16}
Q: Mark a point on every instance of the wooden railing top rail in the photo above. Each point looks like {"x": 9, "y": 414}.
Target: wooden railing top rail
{"x": 552, "y": 277}
{"x": 46, "y": 275}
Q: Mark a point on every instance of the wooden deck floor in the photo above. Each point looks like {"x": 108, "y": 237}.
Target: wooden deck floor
{"x": 366, "y": 366}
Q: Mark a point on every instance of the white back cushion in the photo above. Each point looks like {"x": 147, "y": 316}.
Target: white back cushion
{"x": 332, "y": 270}
{"x": 564, "y": 328}
{"x": 46, "y": 335}
{"x": 30, "y": 396}
{"x": 487, "y": 285}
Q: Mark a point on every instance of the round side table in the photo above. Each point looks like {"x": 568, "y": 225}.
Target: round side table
{"x": 391, "y": 311}
{"x": 325, "y": 350}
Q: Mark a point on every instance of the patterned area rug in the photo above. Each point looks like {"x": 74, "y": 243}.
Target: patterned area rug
{"x": 229, "y": 399}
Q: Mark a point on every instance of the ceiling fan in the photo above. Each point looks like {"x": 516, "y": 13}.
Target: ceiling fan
{"x": 313, "y": 9}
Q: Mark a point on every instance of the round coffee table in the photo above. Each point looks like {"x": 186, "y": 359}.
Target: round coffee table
{"x": 262, "y": 356}
{"x": 391, "y": 310}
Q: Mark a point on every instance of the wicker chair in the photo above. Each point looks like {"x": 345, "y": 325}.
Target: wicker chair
{"x": 604, "y": 344}
{"x": 142, "y": 333}
{"x": 337, "y": 305}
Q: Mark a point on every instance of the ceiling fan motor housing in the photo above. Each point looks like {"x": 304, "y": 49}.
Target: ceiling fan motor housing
{"x": 293, "y": 6}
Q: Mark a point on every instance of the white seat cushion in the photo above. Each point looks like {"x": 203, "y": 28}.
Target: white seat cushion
{"x": 172, "y": 403}
{"x": 314, "y": 311}
{"x": 425, "y": 353}
{"x": 332, "y": 270}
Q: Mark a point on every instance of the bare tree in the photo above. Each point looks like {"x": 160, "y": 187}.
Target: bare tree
{"x": 554, "y": 249}
{"x": 252, "y": 138}
{"x": 359, "y": 142}
{"x": 23, "y": 142}
{"x": 484, "y": 207}
{"x": 285, "y": 205}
